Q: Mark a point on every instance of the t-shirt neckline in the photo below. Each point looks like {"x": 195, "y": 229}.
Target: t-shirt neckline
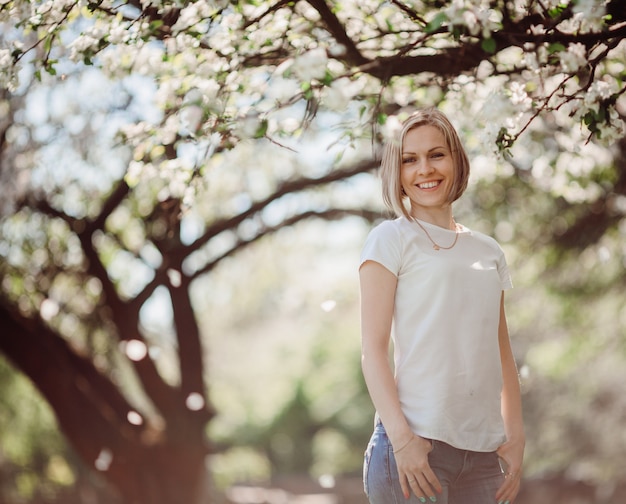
{"x": 462, "y": 229}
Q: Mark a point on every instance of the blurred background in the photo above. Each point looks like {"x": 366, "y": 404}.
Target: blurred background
{"x": 185, "y": 191}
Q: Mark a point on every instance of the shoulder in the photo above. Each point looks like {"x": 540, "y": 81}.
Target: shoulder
{"x": 391, "y": 228}
{"x": 385, "y": 244}
{"x": 485, "y": 239}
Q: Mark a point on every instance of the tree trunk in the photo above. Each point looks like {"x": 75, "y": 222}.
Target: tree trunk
{"x": 148, "y": 463}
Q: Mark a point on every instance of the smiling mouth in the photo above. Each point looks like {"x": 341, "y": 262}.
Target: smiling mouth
{"x": 429, "y": 185}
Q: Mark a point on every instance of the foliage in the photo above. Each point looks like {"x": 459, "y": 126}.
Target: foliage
{"x": 147, "y": 145}
{"x": 25, "y": 421}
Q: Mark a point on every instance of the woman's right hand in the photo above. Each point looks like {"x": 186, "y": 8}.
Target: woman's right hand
{"x": 414, "y": 470}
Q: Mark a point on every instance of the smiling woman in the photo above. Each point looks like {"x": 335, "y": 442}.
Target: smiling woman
{"x": 448, "y": 417}
{"x": 427, "y": 172}
{"x": 427, "y": 144}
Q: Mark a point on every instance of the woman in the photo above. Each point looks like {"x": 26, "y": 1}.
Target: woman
{"x": 449, "y": 417}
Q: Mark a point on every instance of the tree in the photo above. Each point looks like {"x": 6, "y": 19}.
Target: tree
{"x": 167, "y": 198}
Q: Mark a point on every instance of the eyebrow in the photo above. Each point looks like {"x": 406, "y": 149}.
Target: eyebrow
{"x": 429, "y": 150}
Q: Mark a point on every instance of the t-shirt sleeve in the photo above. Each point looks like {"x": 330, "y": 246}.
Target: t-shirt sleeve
{"x": 383, "y": 246}
{"x": 503, "y": 271}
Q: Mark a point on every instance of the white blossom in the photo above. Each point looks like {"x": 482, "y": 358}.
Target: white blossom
{"x": 168, "y": 131}
{"x": 191, "y": 117}
{"x": 51, "y": 12}
{"x": 191, "y": 15}
{"x": 215, "y": 140}
{"x": 613, "y": 132}
{"x": 281, "y": 89}
{"x": 498, "y": 112}
{"x": 8, "y": 72}
{"x": 289, "y": 125}
{"x": 88, "y": 42}
{"x": 497, "y": 108}
{"x": 81, "y": 45}
{"x": 535, "y": 58}
{"x": 519, "y": 96}
{"x": 476, "y": 16}
{"x": 590, "y": 14}
{"x": 221, "y": 39}
{"x": 311, "y": 65}
{"x": 340, "y": 93}
{"x": 589, "y": 8}
{"x": 5, "y": 60}
{"x": 602, "y": 89}
{"x": 597, "y": 92}
{"x": 574, "y": 58}
{"x": 247, "y": 125}
{"x": 455, "y": 12}
{"x": 391, "y": 129}
{"x": 132, "y": 132}
{"x": 118, "y": 34}
{"x": 175, "y": 174}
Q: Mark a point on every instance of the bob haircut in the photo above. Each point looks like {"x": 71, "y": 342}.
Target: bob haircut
{"x": 391, "y": 163}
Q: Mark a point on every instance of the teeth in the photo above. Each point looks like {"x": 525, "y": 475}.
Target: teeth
{"x": 428, "y": 185}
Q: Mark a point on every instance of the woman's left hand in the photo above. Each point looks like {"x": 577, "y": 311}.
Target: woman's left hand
{"x": 512, "y": 453}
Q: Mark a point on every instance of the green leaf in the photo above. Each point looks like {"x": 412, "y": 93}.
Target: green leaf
{"x": 557, "y": 11}
{"x": 49, "y": 66}
{"x": 262, "y": 129}
{"x": 155, "y": 25}
{"x": 328, "y": 78}
{"x": 556, "y": 47}
{"x": 47, "y": 45}
{"x": 436, "y": 22}
{"x": 489, "y": 45}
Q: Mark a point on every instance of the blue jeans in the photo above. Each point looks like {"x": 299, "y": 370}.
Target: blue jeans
{"x": 467, "y": 477}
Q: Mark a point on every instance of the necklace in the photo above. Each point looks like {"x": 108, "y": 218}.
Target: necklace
{"x": 436, "y": 246}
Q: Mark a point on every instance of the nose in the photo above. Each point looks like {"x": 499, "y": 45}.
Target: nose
{"x": 424, "y": 167}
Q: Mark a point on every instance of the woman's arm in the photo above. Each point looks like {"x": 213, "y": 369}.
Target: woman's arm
{"x": 378, "y": 289}
{"x": 512, "y": 451}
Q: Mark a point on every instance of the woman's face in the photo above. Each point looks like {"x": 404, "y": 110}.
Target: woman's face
{"x": 427, "y": 172}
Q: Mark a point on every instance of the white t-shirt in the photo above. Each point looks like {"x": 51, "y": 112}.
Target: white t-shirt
{"x": 445, "y": 329}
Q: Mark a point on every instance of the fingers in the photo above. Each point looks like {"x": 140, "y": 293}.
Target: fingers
{"x": 421, "y": 487}
{"x": 509, "y": 489}
{"x": 511, "y": 455}
{"x": 415, "y": 473}
{"x": 424, "y": 484}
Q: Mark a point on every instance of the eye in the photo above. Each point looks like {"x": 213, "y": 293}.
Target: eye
{"x": 437, "y": 155}
{"x": 408, "y": 160}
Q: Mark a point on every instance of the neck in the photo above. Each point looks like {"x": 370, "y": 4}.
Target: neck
{"x": 439, "y": 217}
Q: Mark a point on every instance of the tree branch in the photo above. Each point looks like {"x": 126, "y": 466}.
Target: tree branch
{"x": 352, "y": 55}
{"x": 329, "y": 215}
{"x": 190, "y": 352}
{"x": 287, "y": 187}
{"x": 112, "y": 202}
{"x": 457, "y": 60}
{"x": 599, "y": 216}
{"x": 272, "y": 8}
{"x": 89, "y": 408}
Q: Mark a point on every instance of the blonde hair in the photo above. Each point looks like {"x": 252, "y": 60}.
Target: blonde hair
{"x": 391, "y": 162}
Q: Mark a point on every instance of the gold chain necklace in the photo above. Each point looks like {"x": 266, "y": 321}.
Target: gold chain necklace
{"x": 436, "y": 246}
